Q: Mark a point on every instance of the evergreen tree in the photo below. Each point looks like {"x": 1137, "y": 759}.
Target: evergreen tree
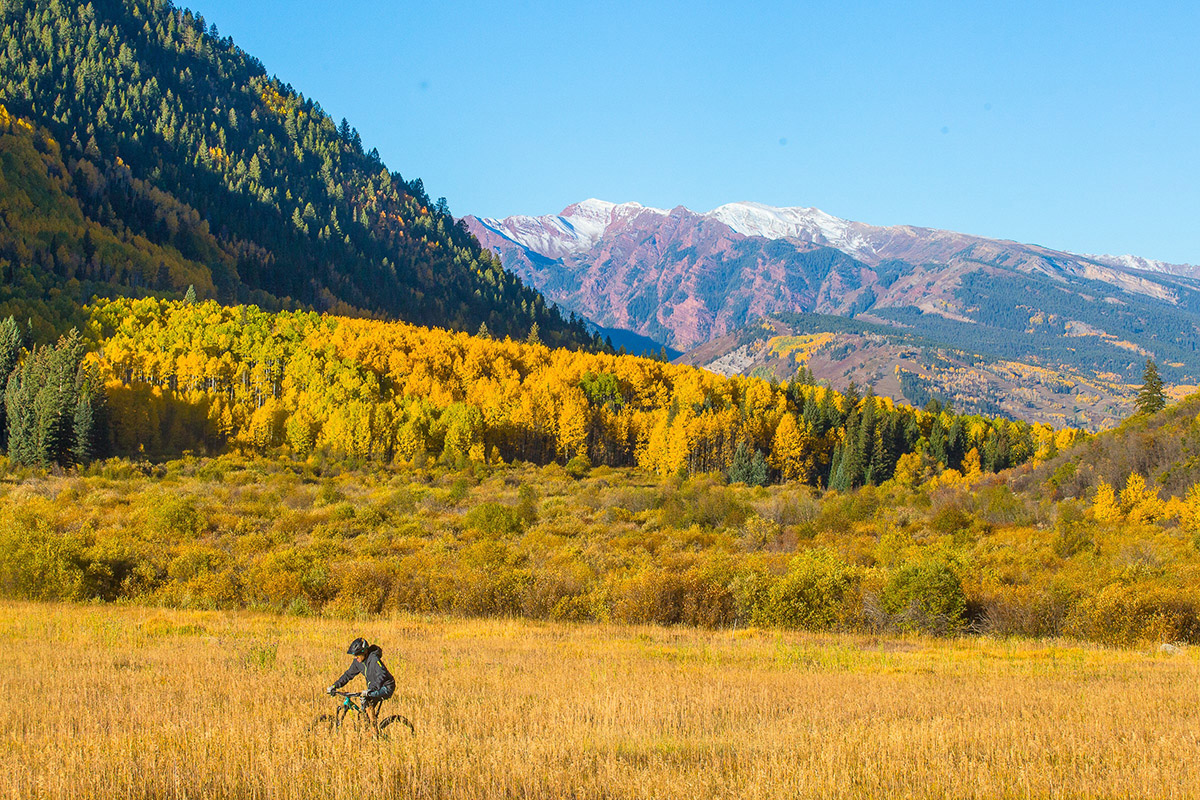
{"x": 1151, "y": 398}
{"x": 84, "y": 430}
{"x": 850, "y": 400}
{"x": 10, "y": 353}
{"x": 749, "y": 466}
{"x": 43, "y": 400}
{"x": 190, "y": 297}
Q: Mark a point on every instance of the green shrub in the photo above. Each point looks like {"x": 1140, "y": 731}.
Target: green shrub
{"x": 925, "y": 596}
{"x": 329, "y": 494}
{"x": 951, "y": 519}
{"x": 458, "y": 491}
{"x": 38, "y": 563}
{"x": 527, "y": 504}
{"x": 579, "y": 466}
{"x": 1072, "y": 530}
{"x": 811, "y": 594}
{"x": 494, "y": 520}
{"x": 175, "y": 517}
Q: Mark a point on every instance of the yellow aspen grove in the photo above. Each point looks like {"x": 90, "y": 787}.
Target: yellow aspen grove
{"x": 1138, "y": 502}
{"x": 300, "y": 430}
{"x": 210, "y": 370}
{"x": 791, "y": 451}
{"x": 971, "y": 466}
{"x": 1104, "y": 506}
{"x": 573, "y": 419}
{"x": 266, "y": 427}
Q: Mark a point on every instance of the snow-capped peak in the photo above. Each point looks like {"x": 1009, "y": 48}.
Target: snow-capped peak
{"x": 808, "y": 224}
{"x": 578, "y": 228}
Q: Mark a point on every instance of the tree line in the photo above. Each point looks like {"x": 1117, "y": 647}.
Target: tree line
{"x": 202, "y": 377}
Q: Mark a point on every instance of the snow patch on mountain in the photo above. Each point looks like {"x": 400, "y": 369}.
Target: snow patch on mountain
{"x": 807, "y": 224}
{"x": 577, "y": 229}
{"x": 1144, "y": 264}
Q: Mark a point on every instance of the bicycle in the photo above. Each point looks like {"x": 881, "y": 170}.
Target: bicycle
{"x": 329, "y": 723}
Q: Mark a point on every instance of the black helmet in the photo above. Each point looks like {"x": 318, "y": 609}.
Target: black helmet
{"x": 358, "y": 647}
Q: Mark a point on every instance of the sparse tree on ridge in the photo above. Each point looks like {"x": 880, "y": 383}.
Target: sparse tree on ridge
{"x": 1151, "y": 399}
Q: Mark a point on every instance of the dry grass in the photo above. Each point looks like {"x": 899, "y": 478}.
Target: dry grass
{"x": 146, "y": 703}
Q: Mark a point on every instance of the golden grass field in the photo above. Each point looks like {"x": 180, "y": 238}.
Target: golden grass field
{"x": 132, "y": 702}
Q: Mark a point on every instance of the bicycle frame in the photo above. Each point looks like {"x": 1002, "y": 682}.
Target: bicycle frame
{"x": 348, "y": 704}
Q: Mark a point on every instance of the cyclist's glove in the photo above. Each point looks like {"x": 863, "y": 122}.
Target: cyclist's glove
{"x": 331, "y": 690}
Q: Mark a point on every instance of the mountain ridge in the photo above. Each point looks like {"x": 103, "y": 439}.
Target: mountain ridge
{"x": 751, "y": 218}
{"x": 687, "y": 279}
{"x": 683, "y": 277}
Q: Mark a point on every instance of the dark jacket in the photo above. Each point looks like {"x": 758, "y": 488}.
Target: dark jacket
{"x": 379, "y": 680}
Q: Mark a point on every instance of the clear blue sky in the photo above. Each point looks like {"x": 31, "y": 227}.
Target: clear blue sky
{"x": 1070, "y": 124}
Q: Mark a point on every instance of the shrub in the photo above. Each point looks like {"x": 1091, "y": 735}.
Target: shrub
{"x": 527, "y": 504}
{"x": 176, "y": 517}
{"x": 579, "y": 466}
{"x": 810, "y": 595}
{"x": 1124, "y": 615}
{"x": 363, "y": 588}
{"x": 650, "y": 594}
{"x": 559, "y": 591}
{"x": 925, "y": 596}
{"x": 488, "y": 581}
{"x": 707, "y": 597}
{"x": 494, "y": 520}
{"x": 38, "y": 563}
{"x": 1072, "y": 531}
{"x": 997, "y": 505}
{"x": 1024, "y": 611}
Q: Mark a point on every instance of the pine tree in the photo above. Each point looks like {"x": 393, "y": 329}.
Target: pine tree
{"x": 84, "y": 431}
{"x": 749, "y": 466}
{"x": 190, "y": 297}
{"x": 10, "y": 353}
{"x": 1151, "y": 399}
{"x": 42, "y": 399}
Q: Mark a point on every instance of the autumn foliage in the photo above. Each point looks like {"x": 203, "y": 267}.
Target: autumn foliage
{"x": 201, "y": 376}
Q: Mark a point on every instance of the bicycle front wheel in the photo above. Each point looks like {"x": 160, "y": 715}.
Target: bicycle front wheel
{"x": 396, "y": 719}
{"x": 324, "y": 723}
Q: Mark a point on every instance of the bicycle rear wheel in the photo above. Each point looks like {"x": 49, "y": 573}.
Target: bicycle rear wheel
{"x": 395, "y": 719}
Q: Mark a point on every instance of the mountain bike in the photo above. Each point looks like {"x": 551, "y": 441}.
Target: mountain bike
{"x": 359, "y": 721}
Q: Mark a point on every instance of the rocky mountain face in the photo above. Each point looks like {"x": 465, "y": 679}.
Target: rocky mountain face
{"x": 683, "y": 277}
{"x": 991, "y": 325}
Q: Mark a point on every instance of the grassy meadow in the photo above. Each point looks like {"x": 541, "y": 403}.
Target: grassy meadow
{"x": 138, "y": 702}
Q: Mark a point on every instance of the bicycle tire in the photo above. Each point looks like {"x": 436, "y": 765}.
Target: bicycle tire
{"x": 394, "y": 718}
{"x": 324, "y": 723}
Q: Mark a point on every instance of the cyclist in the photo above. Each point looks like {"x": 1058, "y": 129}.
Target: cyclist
{"x": 368, "y": 662}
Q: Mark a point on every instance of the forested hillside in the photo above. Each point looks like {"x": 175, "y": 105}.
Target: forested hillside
{"x": 156, "y": 155}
